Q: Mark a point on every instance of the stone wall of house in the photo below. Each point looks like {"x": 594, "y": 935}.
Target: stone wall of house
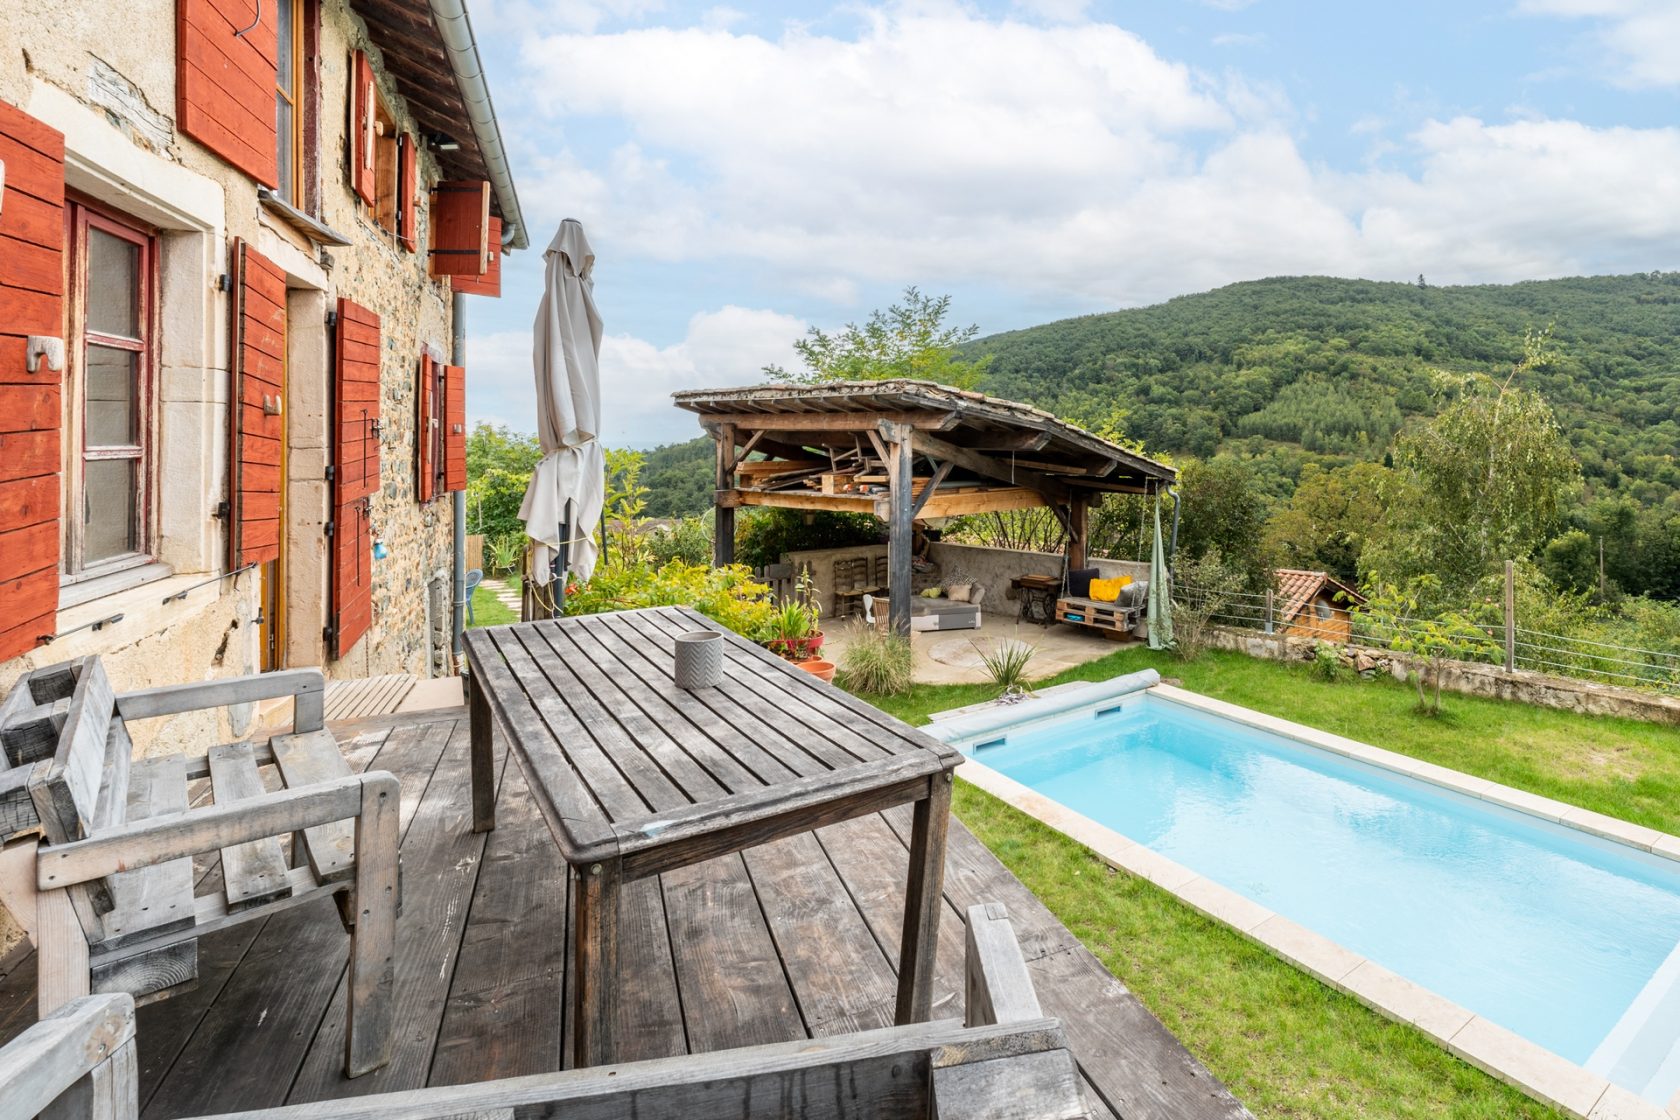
{"x": 107, "y": 80}
{"x": 1472, "y": 678}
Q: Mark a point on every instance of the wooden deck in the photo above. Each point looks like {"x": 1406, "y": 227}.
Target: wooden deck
{"x": 793, "y": 939}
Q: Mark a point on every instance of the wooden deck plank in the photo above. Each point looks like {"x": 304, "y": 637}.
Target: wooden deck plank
{"x": 1140, "y": 1070}
{"x": 840, "y": 977}
{"x": 502, "y": 1018}
{"x": 734, "y": 990}
{"x": 440, "y": 873}
{"x": 250, "y": 1043}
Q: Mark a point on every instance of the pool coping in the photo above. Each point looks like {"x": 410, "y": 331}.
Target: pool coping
{"x": 1526, "y": 1065}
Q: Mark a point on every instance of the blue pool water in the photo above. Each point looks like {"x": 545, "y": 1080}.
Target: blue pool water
{"x": 1542, "y": 929}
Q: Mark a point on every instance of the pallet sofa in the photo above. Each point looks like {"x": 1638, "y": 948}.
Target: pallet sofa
{"x": 1116, "y": 619}
{"x": 97, "y": 864}
{"x": 1005, "y": 1061}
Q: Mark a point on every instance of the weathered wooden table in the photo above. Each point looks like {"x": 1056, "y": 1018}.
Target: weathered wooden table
{"x": 636, "y": 776}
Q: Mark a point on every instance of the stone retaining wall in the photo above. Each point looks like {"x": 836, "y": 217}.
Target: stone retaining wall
{"x": 1477, "y": 679}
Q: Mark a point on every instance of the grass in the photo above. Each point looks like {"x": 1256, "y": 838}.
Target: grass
{"x": 488, "y": 610}
{"x": 1288, "y": 1045}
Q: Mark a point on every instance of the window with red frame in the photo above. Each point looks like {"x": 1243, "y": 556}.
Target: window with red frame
{"x": 108, "y": 401}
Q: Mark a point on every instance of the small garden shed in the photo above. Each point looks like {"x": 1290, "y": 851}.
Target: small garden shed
{"x": 904, "y": 451}
{"x": 1314, "y": 605}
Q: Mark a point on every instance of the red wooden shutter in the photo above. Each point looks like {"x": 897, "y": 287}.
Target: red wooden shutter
{"x": 490, "y": 284}
{"x": 454, "y": 428}
{"x": 362, "y": 136}
{"x": 408, "y": 211}
{"x": 31, "y": 303}
{"x": 259, "y": 324}
{"x": 425, "y": 470}
{"x": 225, "y": 84}
{"x": 460, "y": 228}
{"x": 355, "y": 472}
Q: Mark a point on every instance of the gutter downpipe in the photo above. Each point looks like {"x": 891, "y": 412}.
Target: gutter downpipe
{"x": 455, "y": 28}
{"x": 458, "y": 499}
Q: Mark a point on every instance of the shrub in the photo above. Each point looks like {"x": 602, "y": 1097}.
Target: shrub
{"x": 1006, "y": 663}
{"x": 763, "y": 537}
{"x": 876, "y": 664}
{"x": 1326, "y": 661}
{"x": 504, "y": 552}
{"x": 688, "y": 540}
{"x": 729, "y": 595}
{"x": 1204, "y": 588}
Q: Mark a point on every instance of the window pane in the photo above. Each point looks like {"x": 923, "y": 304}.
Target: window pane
{"x": 113, "y": 413}
{"x": 108, "y": 506}
{"x": 113, "y": 283}
{"x": 283, "y": 44}
{"x": 283, "y": 117}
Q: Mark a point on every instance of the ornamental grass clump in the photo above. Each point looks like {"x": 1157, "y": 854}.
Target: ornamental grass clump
{"x": 876, "y": 664}
{"x": 1006, "y": 664}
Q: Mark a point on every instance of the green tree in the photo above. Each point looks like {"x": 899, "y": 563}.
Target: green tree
{"x": 908, "y": 339}
{"x": 1224, "y": 512}
{"x": 1326, "y": 521}
{"x": 1486, "y": 480}
{"x": 1398, "y": 617}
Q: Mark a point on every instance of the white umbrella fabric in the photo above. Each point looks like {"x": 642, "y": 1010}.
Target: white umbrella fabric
{"x": 566, "y": 355}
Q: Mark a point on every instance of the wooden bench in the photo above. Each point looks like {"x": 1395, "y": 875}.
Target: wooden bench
{"x": 98, "y": 859}
{"x": 1005, "y": 1061}
{"x": 1112, "y": 619}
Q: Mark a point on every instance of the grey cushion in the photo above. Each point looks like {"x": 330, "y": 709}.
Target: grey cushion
{"x": 1135, "y": 594}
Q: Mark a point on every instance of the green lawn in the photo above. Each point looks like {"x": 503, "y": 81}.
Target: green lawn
{"x": 488, "y": 610}
{"x": 1286, "y": 1044}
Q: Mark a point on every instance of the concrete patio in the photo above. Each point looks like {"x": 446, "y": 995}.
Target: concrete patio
{"x": 951, "y": 656}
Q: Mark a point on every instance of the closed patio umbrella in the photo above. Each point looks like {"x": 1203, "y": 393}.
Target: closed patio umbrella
{"x": 1160, "y": 591}
{"x": 567, "y": 485}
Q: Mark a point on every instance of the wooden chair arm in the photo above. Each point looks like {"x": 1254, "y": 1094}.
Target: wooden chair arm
{"x": 999, "y": 989}
{"x": 78, "y": 1039}
{"x": 307, "y": 687}
{"x": 175, "y": 835}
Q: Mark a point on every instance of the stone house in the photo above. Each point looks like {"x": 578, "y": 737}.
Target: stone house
{"x": 236, "y": 241}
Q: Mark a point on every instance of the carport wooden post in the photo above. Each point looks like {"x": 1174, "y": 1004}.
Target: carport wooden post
{"x": 723, "y": 524}
{"x": 1078, "y": 520}
{"x": 901, "y": 461}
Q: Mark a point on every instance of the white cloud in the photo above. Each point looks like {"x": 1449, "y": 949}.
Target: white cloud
{"x": 729, "y": 346}
{"x": 1070, "y": 164}
{"x": 1641, "y": 38}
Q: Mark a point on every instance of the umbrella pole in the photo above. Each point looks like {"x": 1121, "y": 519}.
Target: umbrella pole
{"x": 562, "y": 561}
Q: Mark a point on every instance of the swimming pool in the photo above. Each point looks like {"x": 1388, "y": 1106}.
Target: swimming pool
{"x": 1566, "y": 938}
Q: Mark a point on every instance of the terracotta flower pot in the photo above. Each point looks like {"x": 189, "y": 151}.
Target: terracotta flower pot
{"x": 822, "y": 670}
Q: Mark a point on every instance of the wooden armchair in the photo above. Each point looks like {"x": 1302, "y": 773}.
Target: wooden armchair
{"x": 1006, "y": 1062}
{"x": 98, "y": 857}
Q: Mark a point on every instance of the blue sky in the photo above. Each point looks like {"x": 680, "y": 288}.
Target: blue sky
{"x": 747, "y": 170}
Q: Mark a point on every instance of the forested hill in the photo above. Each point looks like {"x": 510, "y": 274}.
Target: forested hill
{"x": 1313, "y": 369}
{"x": 1295, "y": 369}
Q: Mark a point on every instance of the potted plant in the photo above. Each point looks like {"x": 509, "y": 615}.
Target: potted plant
{"x": 792, "y": 630}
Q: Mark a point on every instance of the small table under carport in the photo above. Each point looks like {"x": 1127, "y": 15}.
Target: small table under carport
{"x": 636, "y": 776}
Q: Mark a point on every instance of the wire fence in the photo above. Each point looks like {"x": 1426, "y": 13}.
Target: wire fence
{"x": 1489, "y": 642}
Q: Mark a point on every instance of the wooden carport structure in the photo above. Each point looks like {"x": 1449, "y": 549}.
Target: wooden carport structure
{"x": 905, "y": 450}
